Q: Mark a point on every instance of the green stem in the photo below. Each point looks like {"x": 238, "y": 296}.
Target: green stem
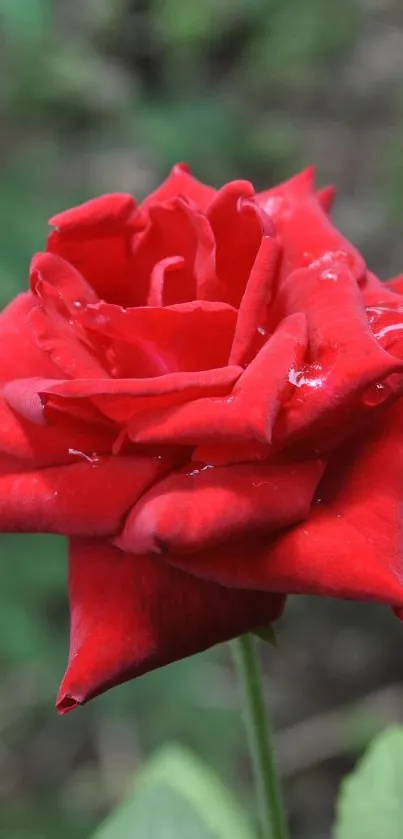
{"x": 260, "y": 740}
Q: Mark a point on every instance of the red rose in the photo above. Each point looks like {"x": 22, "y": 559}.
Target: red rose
{"x": 202, "y": 393}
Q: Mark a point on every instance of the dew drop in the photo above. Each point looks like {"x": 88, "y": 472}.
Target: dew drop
{"x": 331, "y": 257}
{"x": 375, "y": 394}
{"x": 93, "y": 458}
{"x": 310, "y": 376}
{"x": 329, "y": 275}
{"x": 197, "y": 471}
{"x": 386, "y": 322}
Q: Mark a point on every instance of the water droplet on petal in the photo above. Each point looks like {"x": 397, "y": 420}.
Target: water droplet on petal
{"x": 200, "y": 469}
{"x": 339, "y": 257}
{"x": 386, "y": 323}
{"x": 375, "y": 394}
{"x": 311, "y": 375}
{"x": 93, "y": 458}
{"x": 329, "y": 275}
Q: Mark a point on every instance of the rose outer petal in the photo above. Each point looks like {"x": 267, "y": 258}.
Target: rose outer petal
{"x": 350, "y": 547}
{"x": 33, "y": 445}
{"x": 131, "y": 614}
{"x": 118, "y": 399}
{"x": 20, "y": 355}
{"x": 88, "y": 498}
{"x": 214, "y": 505}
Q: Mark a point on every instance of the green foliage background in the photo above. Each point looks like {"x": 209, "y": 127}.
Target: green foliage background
{"x": 99, "y": 95}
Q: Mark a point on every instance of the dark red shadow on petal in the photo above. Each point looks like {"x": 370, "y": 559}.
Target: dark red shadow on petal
{"x": 89, "y": 497}
{"x": 218, "y": 504}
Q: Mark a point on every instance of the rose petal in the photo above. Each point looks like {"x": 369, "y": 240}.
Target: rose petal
{"x": 350, "y": 547}
{"x": 50, "y": 444}
{"x": 19, "y": 353}
{"x": 62, "y": 294}
{"x": 326, "y": 197}
{"x": 113, "y": 208}
{"x": 347, "y": 360}
{"x": 395, "y": 284}
{"x": 63, "y": 343}
{"x": 375, "y": 291}
{"x": 297, "y": 188}
{"x": 208, "y": 286}
{"x": 213, "y": 505}
{"x": 118, "y": 399}
{"x": 160, "y": 280}
{"x": 97, "y": 239}
{"x": 181, "y": 183}
{"x": 247, "y": 414}
{"x": 88, "y": 498}
{"x": 384, "y": 311}
{"x": 164, "y": 340}
{"x": 224, "y": 453}
{"x": 131, "y": 614}
{"x": 238, "y": 235}
{"x": 47, "y": 269}
{"x": 305, "y": 232}
{"x": 250, "y": 330}
{"x": 169, "y": 233}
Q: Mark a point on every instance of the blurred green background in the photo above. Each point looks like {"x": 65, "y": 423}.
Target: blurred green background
{"x": 99, "y": 95}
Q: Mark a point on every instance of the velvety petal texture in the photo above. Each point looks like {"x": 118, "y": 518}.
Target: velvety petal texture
{"x": 203, "y": 392}
{"x": 130, "y": 614}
